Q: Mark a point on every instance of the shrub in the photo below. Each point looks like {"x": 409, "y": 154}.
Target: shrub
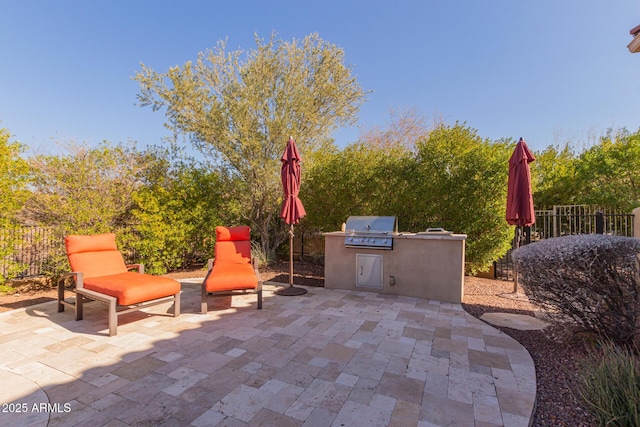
{"x": 444, "y": 182}
{"x": 13, "y": 192}
{"x": 261, "y": 256}
{"x": 589, "y": 279}
{"x": 609, "y": 383}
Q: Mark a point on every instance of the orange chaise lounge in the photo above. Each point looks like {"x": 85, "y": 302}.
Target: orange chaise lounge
{"x": 233, "y": 270}
{"x": 98, "y": 273}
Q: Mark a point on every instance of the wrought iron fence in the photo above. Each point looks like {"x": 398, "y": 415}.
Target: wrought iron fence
{"x": 34, "y": 247}
{"x": 566, "y": 220}
{"x": 30, "y": 252}
{"x": 569, "y": 220}
{"x": 308, "y": 244}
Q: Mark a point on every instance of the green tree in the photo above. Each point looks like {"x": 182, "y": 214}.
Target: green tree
{"x": 241, "y": 107}
{"x": 604, "y": 174}
{"x": 176, "y": 212}
{"x": 87, "y": 191}
{"x": 553, "y": 177}
{"x": 452, "y": 178}
{"x": 13, "y": 193}
{"x": 361, "y": 179}
{"x": 607, "y": 173}
{"x": 461, "y": 185}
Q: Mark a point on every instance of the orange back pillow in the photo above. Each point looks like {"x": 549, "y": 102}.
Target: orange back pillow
{"x": 233, "y": 244}
{"x": 94, "y": 255}
{"x": 226, "y": 234}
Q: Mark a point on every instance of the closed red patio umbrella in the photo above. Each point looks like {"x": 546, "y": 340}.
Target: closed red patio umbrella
{"x": 519, "y": 197}
{"x": 520, "y": 210}
{"x": 292, "y": 208}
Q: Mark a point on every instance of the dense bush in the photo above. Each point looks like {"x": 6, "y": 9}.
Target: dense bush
{"x": 162, "y": 205}
{"x": 175, "y": 213}
{"x": 87, "y": 190}
{"x": 609, "y": 383}
{"x": 461, "y": 185}
{"x": 604, "y": 174}
{"x": 13, "y": 192}
{"x": 589, "y": 279}
{"x": 452, "y": 178}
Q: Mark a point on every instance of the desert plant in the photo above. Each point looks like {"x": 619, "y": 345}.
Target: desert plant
{"x": 260, "y": 254}
{"x": 609, "y": 383}
{"x": 591, "y": 280}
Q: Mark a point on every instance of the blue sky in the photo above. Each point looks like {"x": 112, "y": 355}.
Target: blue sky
{"x": 549, "y": 70}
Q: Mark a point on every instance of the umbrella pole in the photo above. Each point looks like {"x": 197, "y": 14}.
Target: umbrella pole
{"x": 291, "y": 256}
{"x": 290, "y": 290}
{"x": 517, "y": 240}
{"x": 515, "y": 271}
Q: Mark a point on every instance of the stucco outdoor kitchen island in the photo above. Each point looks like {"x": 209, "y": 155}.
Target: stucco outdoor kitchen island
{"x": 422, "y": 265}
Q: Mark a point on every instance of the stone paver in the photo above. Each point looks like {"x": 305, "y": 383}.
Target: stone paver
{"x": 326, "y": 358}
{"x": 515, "y": 321}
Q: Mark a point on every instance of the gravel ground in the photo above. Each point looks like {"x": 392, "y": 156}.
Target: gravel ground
{"x": 556, "y": 353}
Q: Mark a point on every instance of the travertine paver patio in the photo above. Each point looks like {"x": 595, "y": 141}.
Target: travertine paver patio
{"x": 327, "y": 358}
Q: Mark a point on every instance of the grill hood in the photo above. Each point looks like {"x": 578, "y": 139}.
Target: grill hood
{"x": 374, "y": 232}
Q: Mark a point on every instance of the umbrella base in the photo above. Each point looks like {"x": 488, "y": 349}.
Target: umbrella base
{"x": 290, "y": 291}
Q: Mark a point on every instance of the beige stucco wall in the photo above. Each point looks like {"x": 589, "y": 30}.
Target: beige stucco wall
{"x": 430, "y": 267}
{"x": 636, "y": 222}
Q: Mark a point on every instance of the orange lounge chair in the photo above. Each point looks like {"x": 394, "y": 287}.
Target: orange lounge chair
{"x": 233, "y": 271}
{"x": 100, "y": 274}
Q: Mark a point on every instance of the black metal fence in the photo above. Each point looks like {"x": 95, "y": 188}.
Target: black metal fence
{"x": 34, "y": 247}
{"x": 568, "y": 220}
{"x": 30, "y": 252}
{"x": 308, "y": 245}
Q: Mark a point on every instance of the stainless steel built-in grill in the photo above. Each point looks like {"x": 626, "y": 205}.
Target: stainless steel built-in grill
{"x": 372, "y": 232}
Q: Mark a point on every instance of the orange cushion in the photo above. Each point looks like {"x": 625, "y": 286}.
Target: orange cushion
{"x": 238, "y": 252}
{"x": 230, "y": 277}
{"x": 133, "y": 288}
{"x": 95, "y": 255}
{"x": 97, "y": 242}
{"x": 224, "y": 234}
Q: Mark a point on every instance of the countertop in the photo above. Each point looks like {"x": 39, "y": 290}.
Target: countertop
{"x": 407, "y": 235}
